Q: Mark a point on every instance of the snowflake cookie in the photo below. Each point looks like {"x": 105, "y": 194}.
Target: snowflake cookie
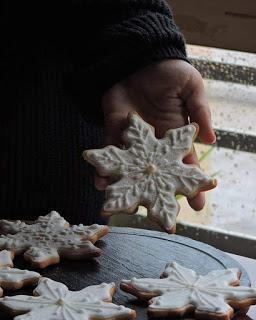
{"x": 50, "y": 237}
{"x": 11, "y": 278}
{"x": 150, "y": 171}
{"x": 181, "y": 290}
{"x": 53, "y": 300}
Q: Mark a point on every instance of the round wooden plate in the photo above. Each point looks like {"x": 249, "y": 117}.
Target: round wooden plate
{"x": 137, "y": 253}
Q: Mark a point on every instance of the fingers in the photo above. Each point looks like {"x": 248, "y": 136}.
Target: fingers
{"x": 192, "y": 158}
{"x": 116, "y": 108}
{"x": 100, "y": 183}
{"x": 115, "y": 121}
{"x": 114, "y": 125}
{"x": 198, "y": 107}
{"x": 197, "y": 202}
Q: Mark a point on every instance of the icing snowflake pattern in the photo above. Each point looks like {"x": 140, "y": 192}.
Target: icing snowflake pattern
{"x": 53, "y": 300}
{"x": 6, "y": 258}
{"x": 50, "y": 237}
{"x": 151, "y": 171}
{"x": 12, "y": 278}
{"x": 181, "y": 290}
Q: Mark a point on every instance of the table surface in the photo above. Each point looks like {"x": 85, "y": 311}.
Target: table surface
{"x": 139, "y": 253}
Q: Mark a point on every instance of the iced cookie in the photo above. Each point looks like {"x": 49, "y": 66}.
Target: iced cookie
{"x": 49, "y": 238}
{"x": 53, "y": 300}
{"x": 181, "y": 291}
{"x": 6, "y": 258}
{"x": 150, "y": 171}
{"x": 11, "y": 278}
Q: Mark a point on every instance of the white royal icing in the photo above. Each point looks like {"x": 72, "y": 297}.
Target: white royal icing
{"x": 6, "y": 258}
{"x": 53, "y": 300}
{"x": 151, "y": 171}
{"x": 16, "y": 275}
{"x": 12, "y": 278}
{"x": 49, "y": 237}
{"x": 181, "y": 287}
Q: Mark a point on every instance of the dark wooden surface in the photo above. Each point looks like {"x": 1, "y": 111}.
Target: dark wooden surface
{"x": 135, "y": 253}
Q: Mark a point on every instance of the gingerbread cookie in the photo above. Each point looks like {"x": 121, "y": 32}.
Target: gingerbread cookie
{"x": 150, "y": 171}
{"x": 11, "y": 278}
{"x": 50, "y": 237}
{"x": 53, "y": 300}
{"x": 182, "y": 290}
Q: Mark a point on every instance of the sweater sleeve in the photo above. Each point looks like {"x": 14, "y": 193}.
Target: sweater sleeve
{"x": 122, "y": 36}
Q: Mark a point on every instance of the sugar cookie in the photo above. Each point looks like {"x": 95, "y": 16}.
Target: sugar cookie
{"x": 49, "y": 238}
{"x": 182, "y": 290}
{"x": 12, "y": 278}
{"x": 53, "y": 300}
{"x": 150, "y": 171}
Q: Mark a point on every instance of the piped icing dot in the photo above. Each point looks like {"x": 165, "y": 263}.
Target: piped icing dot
{"x": 98, "y": 310}
{"x": 121, "y": 308}
{"x": 151, "y": 168}
{"x": 80, "y": 311}
{"x": 60, "y": 302}
{"x": 103, "y": 284}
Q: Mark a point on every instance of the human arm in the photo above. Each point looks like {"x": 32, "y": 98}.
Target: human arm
{"x": 139, "y": 64}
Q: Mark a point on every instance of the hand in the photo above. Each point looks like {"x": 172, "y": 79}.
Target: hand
{"x": 167, "y": 95}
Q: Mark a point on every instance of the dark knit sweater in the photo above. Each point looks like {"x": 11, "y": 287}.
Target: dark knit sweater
{"x": 57, "y": 60}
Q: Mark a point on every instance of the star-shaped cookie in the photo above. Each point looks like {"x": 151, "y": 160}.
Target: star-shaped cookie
{"x": 50, "y": 237}
{"x": 12, "y": 278}
{"x": 150, "y": 171}
{"x": 182, "y": 290}
{"x": 53, "y": 300}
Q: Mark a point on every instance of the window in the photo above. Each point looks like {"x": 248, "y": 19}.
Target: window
{"x": 228, "y": 220}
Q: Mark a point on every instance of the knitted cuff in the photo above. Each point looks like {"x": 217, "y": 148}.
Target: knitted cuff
{"x": 125, "y": 48}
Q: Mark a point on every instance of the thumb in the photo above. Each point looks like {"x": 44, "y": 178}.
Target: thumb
{"x": 115, "y": 109}
{"x": 114, "y": 125}
{"x": 198, "y": 108}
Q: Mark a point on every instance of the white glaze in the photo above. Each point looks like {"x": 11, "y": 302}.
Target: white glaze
{"x": 6, "y": 258}
{"x": 53, "y": 300}
{"x": 49, "y": 237}
{"x": 13, "y": 275}
{"x": 151, "y": 171}
{"x": 11, "y": 278}
{"x": 181, "y": 287}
